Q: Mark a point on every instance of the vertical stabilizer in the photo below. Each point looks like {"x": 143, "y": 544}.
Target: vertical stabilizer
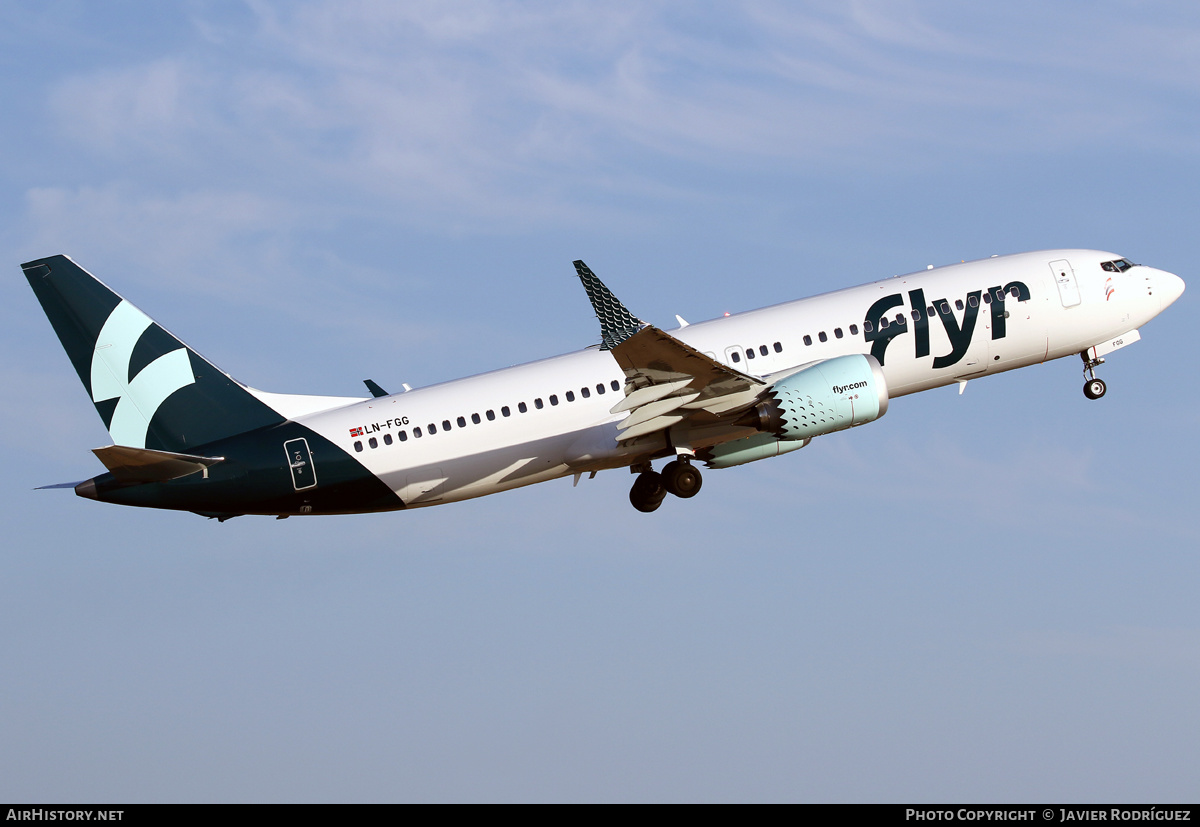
{"x": 150, "y": 389}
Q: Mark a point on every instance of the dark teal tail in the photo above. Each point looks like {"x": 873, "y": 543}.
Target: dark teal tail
{"x": 151, "y": 390}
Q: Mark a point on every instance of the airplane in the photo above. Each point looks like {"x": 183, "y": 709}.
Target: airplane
{"x": 724, "y": 392}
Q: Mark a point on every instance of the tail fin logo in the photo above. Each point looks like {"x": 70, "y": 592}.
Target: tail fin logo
{"x": 138, "y": 397}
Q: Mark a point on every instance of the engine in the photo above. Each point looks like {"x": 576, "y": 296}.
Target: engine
{"x": 747, "y": 449}
{"x": 822, "y": 398}
{"x": 829, "y": 396}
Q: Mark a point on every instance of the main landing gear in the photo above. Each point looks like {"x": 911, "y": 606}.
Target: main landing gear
{"x": 678, "y": 477}
{"x": 1093, "y": 388}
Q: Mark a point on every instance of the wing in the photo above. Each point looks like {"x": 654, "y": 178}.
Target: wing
{"x": 666, "y": 380}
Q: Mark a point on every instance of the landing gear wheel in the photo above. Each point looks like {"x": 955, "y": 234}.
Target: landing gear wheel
{"x": 1093, "y": 388}
{"x": 682, "y": 479}
{"x": 647, "y": 492}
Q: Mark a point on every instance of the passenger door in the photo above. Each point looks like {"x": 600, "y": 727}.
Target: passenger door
{"x": 1064, "y": 277}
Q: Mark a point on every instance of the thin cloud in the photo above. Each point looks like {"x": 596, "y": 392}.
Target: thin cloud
{"x": 520, "y": 115}
{"x": 140, "y": 105}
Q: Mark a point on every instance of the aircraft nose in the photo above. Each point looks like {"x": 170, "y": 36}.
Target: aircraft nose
{"x": 1170, "y": 288}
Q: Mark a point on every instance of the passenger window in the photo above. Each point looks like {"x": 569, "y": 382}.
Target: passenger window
{"x": 445, "y": 424}
{"x": 538, "y": 403}
{"x": 570, "y": 396}
{"x": 505, "y": 411}
{"x": 358, "y": 445}
{"x": 474, "y": 419}
{"x": 387, "y": 439}
{"x": 373, "y": 442}
{"x": 868, "y": 327}
{"x": 973, "y": 301}
{"x": 837, "y": 332}
{"x": 491, "y": 415}
{"x": 900, "y": 320}
{"x": 958, "y": 304}
{"x": 462, "y": 423}
{"x": 600, "y": 389}
{"x": 916, "y": 314}
{"x": 735, "y": 356}
{"x": 1014, "y": 292}
{"x": 987, "y": 298}
{"x": 778, "y": 348}
{"x": 403, "y": 436}
{"x": 615, "y": 385}
{"x": 807, "y": 339}
{"x": 417, "y": 432}
{"x": 853, "y": 330}
{"x": 587, "y": 394}
{"x": 822, "y": 336}
{"x": 930, "y": 312}
{"x": 762, "y": 349}
{"x": 522, "y": 407}
{"x": 432, "y": 429}
{"x": 750, "y": 353}
{"x": 946, "y": 308}
{"x": 554, "y": 399}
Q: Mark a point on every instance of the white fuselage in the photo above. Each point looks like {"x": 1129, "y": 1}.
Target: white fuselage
{"x": 565, "y": 427}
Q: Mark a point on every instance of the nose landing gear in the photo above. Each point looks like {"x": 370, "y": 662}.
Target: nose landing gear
{"x": 1094, "y": 387}
{"x": 679, "y": 477}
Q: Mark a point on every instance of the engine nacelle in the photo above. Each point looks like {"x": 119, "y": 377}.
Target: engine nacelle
{"x": 829, "y": 396}
{"x": 748, "y": 449}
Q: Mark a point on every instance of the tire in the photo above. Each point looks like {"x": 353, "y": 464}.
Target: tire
{"x": 647, "y": 492}
{"x": 682, "y": 479}
{"x": 1094, "y": 388}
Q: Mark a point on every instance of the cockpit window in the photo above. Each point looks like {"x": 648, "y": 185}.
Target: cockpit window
{"x": 1118, "y": 266}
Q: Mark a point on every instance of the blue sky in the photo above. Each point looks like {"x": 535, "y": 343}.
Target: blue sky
{"x": 987, "y": 597}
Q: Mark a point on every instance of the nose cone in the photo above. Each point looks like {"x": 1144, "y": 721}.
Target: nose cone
{"x": 1170, "y": 287}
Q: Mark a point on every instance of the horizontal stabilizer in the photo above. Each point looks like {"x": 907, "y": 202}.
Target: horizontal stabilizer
{"x": 57, "y": 485}
{"x": 139, "y": 465}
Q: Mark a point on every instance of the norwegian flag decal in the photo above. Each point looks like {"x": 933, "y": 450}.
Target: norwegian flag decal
{"x": 356, "y": 432}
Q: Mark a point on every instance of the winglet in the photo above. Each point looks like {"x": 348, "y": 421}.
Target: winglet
{"x": 616, "y": 322}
